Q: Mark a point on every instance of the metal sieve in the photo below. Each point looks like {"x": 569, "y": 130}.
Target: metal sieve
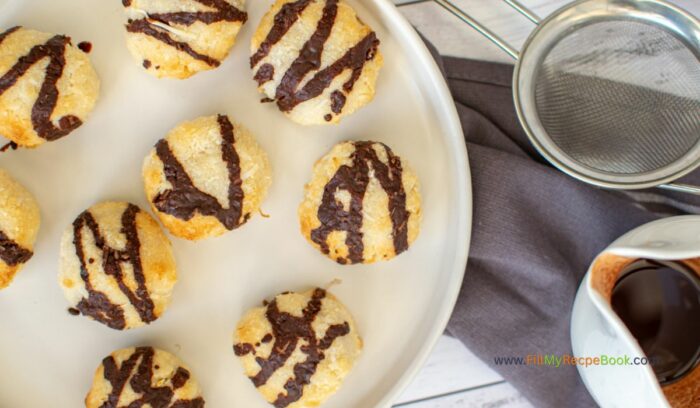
{"x": 609, "y": 90}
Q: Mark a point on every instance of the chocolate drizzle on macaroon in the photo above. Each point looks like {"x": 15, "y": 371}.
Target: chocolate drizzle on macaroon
{"x": 223, "y": 11}
{"x": 354, "y": 179}
{"x": 264, "y": 74}
{"x": 9, "y": 146}
{"x": 98, "y": 305}
{"x": 138, "y": 371}
{"x": 145, "y": 27}
{"x": 283, "y": 21}
{"x": 289, "y": 94}
{"x": 11, "y": 252}
{"x": 290, "y": 332}
{"x": 183, "y": 200}
{"x": 54, "y": 49}
{"x": 6, "y": 33}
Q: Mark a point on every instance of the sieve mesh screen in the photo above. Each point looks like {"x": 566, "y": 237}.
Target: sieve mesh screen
{"x": 620, "y": 97}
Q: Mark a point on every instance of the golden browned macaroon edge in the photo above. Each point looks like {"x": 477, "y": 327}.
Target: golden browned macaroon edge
{"x": 17, "y": 199}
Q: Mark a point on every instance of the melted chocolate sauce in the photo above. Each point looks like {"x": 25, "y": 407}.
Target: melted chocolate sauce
{"x": 289, "y": 331}
{"x": 355, "y": 179}
{"x": 85, "y": 47}
{"x": 659, "y": 302}
{"x": 143, "y": 26}
{"x": 140, "y": 379}
{"x": 184, "y": 199}
{"x": 224, "y": 12}
{"x": 309, "y": 59}
{"x": 45, "y": 103}
{"x": 97, "y": 305}
{"x": 11, "y": 252}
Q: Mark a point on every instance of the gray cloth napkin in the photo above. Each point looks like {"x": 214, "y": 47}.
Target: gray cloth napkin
{"x": 535, "y": 231}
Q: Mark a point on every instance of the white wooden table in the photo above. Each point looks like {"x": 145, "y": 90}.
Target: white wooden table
{"x": 453, "y": 376}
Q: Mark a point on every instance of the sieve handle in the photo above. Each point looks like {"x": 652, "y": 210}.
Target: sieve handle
{"x": 483, "y": 30}
{"x": 681, "y": 188}
{"x": 524, "y": 11}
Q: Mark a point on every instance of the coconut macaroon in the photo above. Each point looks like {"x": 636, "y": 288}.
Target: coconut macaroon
{"x": 117, "y": 266}
{"x": 143, "y": 376}
{"x": 207, "y": 177}
{"x": 19, "y": 225}
{"x": 177, "y": 39}
{"x": 48, "y": 87}
{"x": 362, "y": 204}
{"x": 298, "y": 348}
{"x": 316, "y": 59}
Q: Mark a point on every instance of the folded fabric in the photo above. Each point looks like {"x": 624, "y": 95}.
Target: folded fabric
{"x": 535, "y": 232}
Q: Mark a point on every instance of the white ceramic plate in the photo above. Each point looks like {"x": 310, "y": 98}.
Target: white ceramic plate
{"x": 48, "y": 357}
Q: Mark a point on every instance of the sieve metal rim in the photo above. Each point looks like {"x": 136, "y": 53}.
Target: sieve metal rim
{"x": 556, "y": 26}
